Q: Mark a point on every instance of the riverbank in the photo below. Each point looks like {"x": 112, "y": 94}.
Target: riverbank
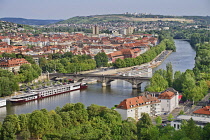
{"x": 160, "y": 58}
{"x": 152, "y": 64}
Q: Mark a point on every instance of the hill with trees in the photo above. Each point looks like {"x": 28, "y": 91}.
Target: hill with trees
{"x": 96, "y": 19}
{"x": 29, "y": 21}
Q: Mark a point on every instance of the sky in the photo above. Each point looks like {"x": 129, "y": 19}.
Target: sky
{"x": 64, "y": 9}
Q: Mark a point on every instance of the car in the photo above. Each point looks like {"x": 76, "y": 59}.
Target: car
{"x": 166, "y": 113}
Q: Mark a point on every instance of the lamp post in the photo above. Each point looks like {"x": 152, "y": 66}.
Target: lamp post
{"x": 74, "y": 70}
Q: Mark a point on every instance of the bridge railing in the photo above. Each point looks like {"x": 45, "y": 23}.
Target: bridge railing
{"x": 97, "y": 75}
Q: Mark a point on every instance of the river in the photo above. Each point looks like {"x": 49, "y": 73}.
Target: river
{"x": 181, "y": 60}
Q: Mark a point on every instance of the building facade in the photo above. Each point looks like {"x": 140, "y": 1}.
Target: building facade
{"x": 12, "y": 64}
{"x": 134, "y": 107}
{"x": 169, "y": 100}
{"x": 199, "y": 121}
{"x": 95, "y": 30}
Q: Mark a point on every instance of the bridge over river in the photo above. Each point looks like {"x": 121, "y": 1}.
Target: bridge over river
{"x": 104, "y": 79}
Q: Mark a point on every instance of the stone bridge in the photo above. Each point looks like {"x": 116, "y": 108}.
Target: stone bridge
{"x": 104, "y": 79}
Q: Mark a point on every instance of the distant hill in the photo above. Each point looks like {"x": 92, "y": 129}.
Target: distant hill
{"x": 30, "y": 21}
{"x": 133, "y": 18}
{"x": 121, "y": 18}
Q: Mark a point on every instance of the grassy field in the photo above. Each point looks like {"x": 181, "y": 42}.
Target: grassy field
{"x": 147, "y": 19}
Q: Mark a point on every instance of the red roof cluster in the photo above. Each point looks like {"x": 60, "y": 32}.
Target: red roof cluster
{"x": 12, "y": 62}
{"x": 137, "y": 102}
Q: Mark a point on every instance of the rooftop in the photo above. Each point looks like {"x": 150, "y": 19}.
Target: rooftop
{"x": 195, "y": 118}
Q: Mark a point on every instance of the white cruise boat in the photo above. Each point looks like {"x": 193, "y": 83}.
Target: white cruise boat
{"x": 47, "y": 91}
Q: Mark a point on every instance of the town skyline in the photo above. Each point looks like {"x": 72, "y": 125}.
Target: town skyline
{"x": 42, "y": 9}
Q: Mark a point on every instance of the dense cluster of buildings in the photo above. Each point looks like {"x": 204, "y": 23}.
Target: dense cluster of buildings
{"x": 77, "y": 43}
{"x": 12, "y": 64}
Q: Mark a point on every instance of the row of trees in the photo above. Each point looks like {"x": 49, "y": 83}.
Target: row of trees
{"x": 185, "y": 83}
{"x": 74, "y": 121}
{"x": 9, "y": 82}
{"x": 199, "y": 38}
{"x": 202, "y": 63}
{"x": 67, "y": 63}
{"x": 166, "y": 44}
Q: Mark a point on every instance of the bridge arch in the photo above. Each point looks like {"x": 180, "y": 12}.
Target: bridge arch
{"x": 105, "y": 79}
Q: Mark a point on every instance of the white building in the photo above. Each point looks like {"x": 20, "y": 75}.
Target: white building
{"x": 169, "y": 100}
{"x": 202, "y": 112}
{"x": 200, "y": 121}
{"x": 134, "y": 107}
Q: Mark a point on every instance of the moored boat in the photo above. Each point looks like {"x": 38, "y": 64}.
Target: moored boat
{"x": 3, "y": 102}
{"x": 46, "y": 92}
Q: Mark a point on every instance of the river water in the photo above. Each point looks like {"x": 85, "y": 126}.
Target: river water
{"x": 181, "y": 60}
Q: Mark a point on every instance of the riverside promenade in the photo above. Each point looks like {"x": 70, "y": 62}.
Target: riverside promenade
{"x": 152, "y": 64}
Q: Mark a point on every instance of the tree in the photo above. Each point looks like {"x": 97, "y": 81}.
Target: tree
{"x": 101, "y": 59}
{"x": 158, "y": 120}
{"x": 25, "y": 134}
{"x": 170, "y": 117}
{"x": 143, "y": 126}
{"x": 10, "y": 127}
{"x": 203, "y": 86}
{"x": 181, "y": 112}
{"x": 38, "y": 123}
{"x": 191, "y": 130}
{"x": 206, "y": 130}
{"x": 188, "y": 84}
{"x": 169, "y": 74}
{"x": 129, "y": 129}
{"x": 42, "y": 61}
{"x": 23, "y": 121}
{"x": 157, "y": 83}
{"x": 177, "y": 83}
{"x": 119, "y": 63}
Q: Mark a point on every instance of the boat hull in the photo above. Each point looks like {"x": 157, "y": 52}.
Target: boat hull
{"x": 37, "y": 96}
{"x": 3, "y": 103}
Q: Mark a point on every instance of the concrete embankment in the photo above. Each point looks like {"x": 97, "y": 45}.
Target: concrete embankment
{"x": 160, "y": 58}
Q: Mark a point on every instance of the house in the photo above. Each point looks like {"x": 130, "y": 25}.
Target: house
{"x": 114, "y": 56}
{"x": 169, "y": 100}
{"x": 134, "y": 107}
{"x": 202, "y": 112}
{"x": 12, "y": 64}
{"x": 199, "y": 121}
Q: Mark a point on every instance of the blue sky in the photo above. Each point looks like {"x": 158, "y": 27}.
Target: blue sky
{"x": 64, "y": 9}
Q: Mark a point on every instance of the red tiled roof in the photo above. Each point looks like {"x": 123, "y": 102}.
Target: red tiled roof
{"x": 205, "y": 110}
{"x": 116, "y": 53}
{"x": 137, "y": 101}
{"x": 166, "y": 95}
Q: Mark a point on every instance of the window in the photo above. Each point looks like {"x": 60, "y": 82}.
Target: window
{"x": 177, "y": 126}
{"x": 174, "y": 125}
